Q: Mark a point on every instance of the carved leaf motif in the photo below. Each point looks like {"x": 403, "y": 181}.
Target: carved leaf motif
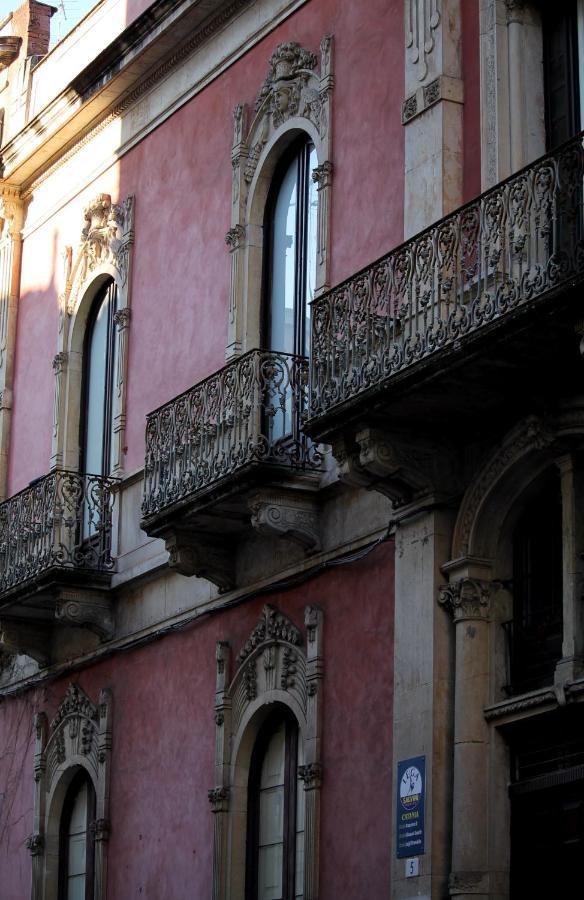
{"x": 273, "y": 626}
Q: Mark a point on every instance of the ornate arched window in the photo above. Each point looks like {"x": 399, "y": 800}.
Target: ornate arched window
{"x": 76, "y": 846}
{"x": 282, "y": 177}
{"x": 291, "y": 245}
{"x": 268, "y": 768}
{"x": 275, "y": 839}
{"x": 98, "y": 383}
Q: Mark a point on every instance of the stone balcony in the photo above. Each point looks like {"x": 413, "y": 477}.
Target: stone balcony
{"x": 476, "y": 319}
{"x": 228, "y": 455}
{"x": 55, "y": 560}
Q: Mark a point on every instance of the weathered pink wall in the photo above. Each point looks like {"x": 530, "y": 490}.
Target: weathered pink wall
{"x": 163, "y": 746}
{"x": 181, "y": 176}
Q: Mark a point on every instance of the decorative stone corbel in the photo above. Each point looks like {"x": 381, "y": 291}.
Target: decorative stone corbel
{"x": 288, "y": 514}
{"x": 31, "y": 639}
{"x": 194, "y": 553}
{"x": 86, "y": 609}
{"x": 377, "y": 462}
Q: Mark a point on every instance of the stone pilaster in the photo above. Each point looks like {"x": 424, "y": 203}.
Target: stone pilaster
{"x": 467, "y": 597}
{"x": 571, "y": 665}
{"x": 432, "y": 112}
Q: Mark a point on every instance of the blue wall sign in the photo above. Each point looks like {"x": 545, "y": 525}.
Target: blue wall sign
{"x": 411, "y": 793}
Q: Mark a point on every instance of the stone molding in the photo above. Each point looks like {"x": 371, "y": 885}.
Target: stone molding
{"x": 277, "y": 664}
{"x": 293, "y": 97}
{"x": 442, "y": 88}
{"x": 79, "y": 735}
{"x": 104, "y": 251}
{"x": 289, "y": 514}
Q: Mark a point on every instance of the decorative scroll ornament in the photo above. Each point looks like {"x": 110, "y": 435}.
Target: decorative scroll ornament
{"x": 75, "y": 703}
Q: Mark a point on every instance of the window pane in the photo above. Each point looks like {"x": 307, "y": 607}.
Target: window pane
{"x": 311, "y": 244}
{"x": 96, "y": 375}
{"x": 270, "y": 872}
{"x": 283, "y": 283}
{"x": 77, "y": 847}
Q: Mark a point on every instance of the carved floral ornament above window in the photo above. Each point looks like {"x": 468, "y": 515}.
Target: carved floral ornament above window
{"x": 294, "y": 98}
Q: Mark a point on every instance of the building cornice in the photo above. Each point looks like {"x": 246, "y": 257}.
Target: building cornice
{"x": 144, "y": 54}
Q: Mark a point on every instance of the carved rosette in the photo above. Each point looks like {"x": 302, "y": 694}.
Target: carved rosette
{"x": 467, "y": 598}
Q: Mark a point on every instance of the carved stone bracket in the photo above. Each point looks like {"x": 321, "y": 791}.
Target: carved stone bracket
{"x": 422, "y": 20}
{"x": 194, "y": 553}
{"x": 388, "y": 464}
{"x": 467, "y": 598}
{"x": 86, "y": 609}
{"x": 289, "y": 514}
{"x": 29, "y": 638}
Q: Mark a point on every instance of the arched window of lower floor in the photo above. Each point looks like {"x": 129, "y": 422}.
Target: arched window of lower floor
{"x": 76, "y": 856}
{"x": 275, "y": 841}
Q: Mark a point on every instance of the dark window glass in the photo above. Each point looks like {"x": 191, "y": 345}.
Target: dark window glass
{"x": 536, "y": 629}
{"x": 291, "y": 217}
{"x": 275, "y": 867}
{"x": 560, "y": 56}
{"x": 76, "y": 869}
{"x": 98, "y": 383}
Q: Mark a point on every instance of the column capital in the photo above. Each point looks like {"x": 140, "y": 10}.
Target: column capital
{"x": 467, "y": 598}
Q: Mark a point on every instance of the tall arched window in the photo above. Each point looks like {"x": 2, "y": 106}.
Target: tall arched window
{"x": 275, "y": 862}
{"x": 537, "y": 627}
{"x": 99, "y": 364}
{"x": 291, "y": 231}
{"x": 76, "y": 869}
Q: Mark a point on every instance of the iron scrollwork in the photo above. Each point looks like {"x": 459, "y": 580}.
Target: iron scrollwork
{"x": 63, "y": 520}
{"x": 516, "y": 242}
{"x": 250, "y": 412}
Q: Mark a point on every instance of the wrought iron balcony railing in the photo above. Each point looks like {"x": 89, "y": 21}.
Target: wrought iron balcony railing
{"x": 513, "y": 244}
{"x": 60, "y": 521}
{"x": 250, "y": 412}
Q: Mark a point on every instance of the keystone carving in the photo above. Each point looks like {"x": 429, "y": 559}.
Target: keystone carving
{"x": 289, "y": 515}
{"x": 86, "y": 609}
{"x": 467, "y": 598}
{"x": 194, "y": 553}
{"x": 272, "y": 626}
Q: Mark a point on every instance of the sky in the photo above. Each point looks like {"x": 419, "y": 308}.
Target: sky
{"x": 69, "y": 12}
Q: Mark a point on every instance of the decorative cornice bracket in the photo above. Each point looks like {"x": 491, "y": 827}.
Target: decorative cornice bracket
{"x": 290, "y": 514}
{"x": 193, "y": 553}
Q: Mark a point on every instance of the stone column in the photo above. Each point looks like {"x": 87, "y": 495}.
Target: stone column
{"x": 571, "y": 665}
{"x": 423, "y": 697}
{"x": 219, "y": 800}
{"x": 36, "y": 841}
{"x": 432, "y": 112}
{"x": 10, "y": 265}
{"x": 467, "y": 598}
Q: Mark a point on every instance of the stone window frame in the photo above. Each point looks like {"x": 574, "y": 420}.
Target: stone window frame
{"x": 78, "y": 737}
{"x": 294, "y": 99}
{"x": 278, "y": 664}
{"x": 104, "y": 252}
